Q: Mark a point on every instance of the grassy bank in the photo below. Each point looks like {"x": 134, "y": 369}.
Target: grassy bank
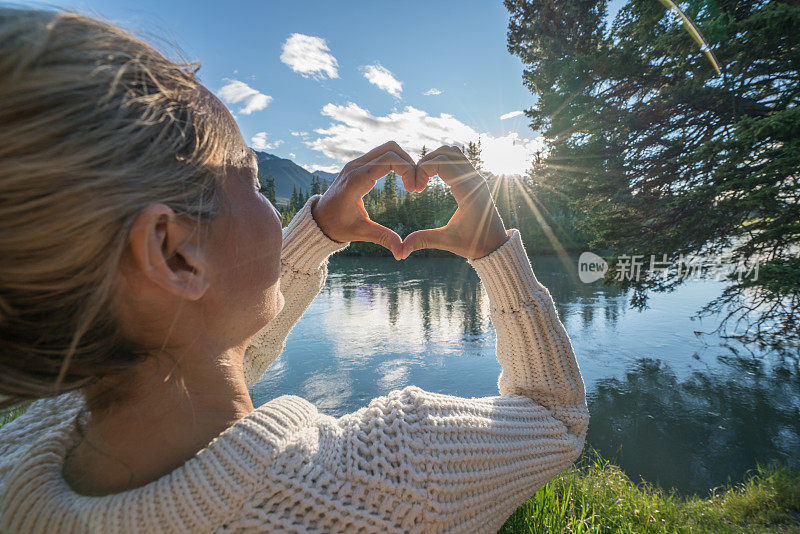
{"x": 596, "y": 496}
{"x": 13, "y": 413}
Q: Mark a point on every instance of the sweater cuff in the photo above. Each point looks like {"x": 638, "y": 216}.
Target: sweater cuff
{"x": 305, "y": 246}
{"x": 507, "y": 275}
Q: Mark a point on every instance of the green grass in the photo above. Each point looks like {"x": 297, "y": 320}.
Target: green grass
{"x": 596, "y": 496}
{"x": 12, "y": 413}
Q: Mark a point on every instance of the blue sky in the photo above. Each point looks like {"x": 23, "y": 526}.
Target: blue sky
{"x": 322, "y": 82}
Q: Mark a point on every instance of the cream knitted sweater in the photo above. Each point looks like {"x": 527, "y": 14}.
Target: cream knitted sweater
{"x": 410, "y": 461}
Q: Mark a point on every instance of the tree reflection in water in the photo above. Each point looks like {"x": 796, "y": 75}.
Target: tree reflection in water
{"x": 694, "y": 434}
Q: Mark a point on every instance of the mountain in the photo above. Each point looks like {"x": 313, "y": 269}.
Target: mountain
{"x": 330, "y": 176}
{"x": 289, "y": 174}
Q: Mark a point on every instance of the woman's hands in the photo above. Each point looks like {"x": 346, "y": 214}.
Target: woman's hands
{"x": 474, "y": 230}
{"x": 340, "y": 212}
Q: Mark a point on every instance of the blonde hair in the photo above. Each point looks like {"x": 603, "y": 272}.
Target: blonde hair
{"x": 95, "y": 124}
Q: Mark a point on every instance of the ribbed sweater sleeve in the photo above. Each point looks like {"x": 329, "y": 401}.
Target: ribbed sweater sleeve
{"x": 304, "y": 268}
{"x": 535, "y": 352}
{"x": 465, "y": 464}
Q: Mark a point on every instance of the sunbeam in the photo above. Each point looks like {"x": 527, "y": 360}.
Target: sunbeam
{"x": 548, "y": 232}
{"x": 571, "y": 168}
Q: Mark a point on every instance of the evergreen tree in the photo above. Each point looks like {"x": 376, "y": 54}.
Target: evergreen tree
{"x": 389, "y": 199}
{"x": 663, "y": 153}
{"x": 424, "y": 151}
{"x": 390, "y": 189}
{"x": 473, "y": 154}
{"x": 287, "y": 212}
{"x": 268, "y": 188}
{"x": 294, "y": 198}
{"x": 325, "y": 185}
{"x": 316, "y": 186}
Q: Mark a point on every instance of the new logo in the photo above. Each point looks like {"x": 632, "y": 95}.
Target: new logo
{"x": 591, "y": 267}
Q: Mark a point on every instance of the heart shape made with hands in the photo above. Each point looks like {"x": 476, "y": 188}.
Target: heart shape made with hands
{"x": 474, "y": 230}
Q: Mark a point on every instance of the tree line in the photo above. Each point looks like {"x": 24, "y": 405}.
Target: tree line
{"x": 298, "y": 197}
{"x": 433, "y": 207}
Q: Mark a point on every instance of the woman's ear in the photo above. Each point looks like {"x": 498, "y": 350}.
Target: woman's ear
{"x": 168, "y": 253}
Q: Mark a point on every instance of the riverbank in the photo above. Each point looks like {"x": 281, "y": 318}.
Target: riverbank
{"x": 372, "y": 250}
{"x": 596, "y": 496}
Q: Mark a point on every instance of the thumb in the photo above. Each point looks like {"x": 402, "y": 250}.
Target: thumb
{"x": 380, "y": 235}
{"x": 429, "y": 238}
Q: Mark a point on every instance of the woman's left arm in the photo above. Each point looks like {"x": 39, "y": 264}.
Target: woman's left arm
{"x": 306, "y": 246}
{"x": 304, "y": 269}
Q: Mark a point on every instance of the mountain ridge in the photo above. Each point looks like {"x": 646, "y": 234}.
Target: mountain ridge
{"x": 289, "y": 174}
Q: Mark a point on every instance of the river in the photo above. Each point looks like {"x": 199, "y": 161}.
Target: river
{"x": 668, "y": 405}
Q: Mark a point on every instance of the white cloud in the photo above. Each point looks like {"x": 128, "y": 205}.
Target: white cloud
{"x": 432, "y": 92}
{"x": 309, "y": 56}
{"x": 324, "y": 168}
{"x": 259, "y": 142}
{"x": 299, "y": 134}
{"x": 235, "y": 92}
{"x": 355, "y": 131}
{"x": 383, "y": 78}
{"x": 292, "y": 155}
{"x": 510, "y": 115}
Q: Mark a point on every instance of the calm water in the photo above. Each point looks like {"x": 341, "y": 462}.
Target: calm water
{"x": 666, "y": 404}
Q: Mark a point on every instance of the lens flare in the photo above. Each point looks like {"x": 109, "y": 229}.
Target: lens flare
{"x": 695, "y": 33}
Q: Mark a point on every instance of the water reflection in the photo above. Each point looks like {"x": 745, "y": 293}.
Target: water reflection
{"x": 439, "y": 290}
{"x": 695, "y": 433}
{"x": 665, "y": 404}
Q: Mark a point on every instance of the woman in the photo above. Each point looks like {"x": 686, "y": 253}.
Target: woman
{"x": 146, "y": 284}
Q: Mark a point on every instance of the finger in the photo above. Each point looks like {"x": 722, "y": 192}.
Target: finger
{"x": 420, "y": 182}
{"x": 380, "y": 235}
{"x": 442, "y": 151}
{"x": 363, "y": 178}
{"x": 410, "y": 180}
{"x": 458, "y": 150}
{"x": 390, "y": 146}
{"x": 429, "y": 238}
{"x": 466, "y": 184}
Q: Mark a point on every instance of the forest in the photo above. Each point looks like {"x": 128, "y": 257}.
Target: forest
{"x": 433, "y": 207}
